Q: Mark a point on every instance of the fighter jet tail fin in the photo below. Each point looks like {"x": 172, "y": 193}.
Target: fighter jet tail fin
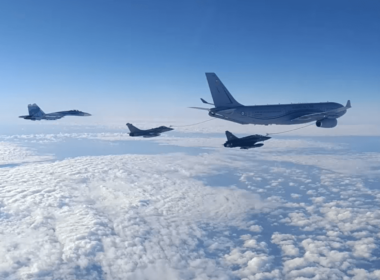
{"x": 34, "y": 110}
{"x": 230, "y": 136}
{"x": 220, "y": 94}
{"x": 132, "y": 128}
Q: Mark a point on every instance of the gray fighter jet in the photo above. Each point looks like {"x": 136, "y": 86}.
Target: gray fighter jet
{"x": 36, "y": 114}
{"x": 148, "y": 133}
{"x": 245, "y": 143}
{"x": 324, "y": 114}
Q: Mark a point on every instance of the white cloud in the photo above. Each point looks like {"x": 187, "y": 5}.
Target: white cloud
{"x": 286, "y": 242}
{"x": 361, "y": 274}
{"x": 363, "y": 247}
{"x": 273, "y": 145}
{"x": 256, "y": 228}
{"x": 348, "y": 164}
{"x": 140, "y": 217}
{"x": 253, "y": 265}
{"x": 118, "y": 217}
{"x": 13, "y": 154}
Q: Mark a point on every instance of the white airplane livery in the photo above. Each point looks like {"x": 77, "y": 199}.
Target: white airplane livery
{"x": 324, "y": 114}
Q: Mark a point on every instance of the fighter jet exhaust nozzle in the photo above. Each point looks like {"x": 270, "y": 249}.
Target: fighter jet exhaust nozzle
{"x": 327, "y": 123}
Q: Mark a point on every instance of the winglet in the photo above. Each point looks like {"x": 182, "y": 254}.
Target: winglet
{"x": 348, "y": 105}
{"x": 205, "y": 102}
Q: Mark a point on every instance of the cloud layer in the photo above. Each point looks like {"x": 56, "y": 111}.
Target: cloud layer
{"x": 272, "y": 214}
{"x": 12, "y": 154}
{"x": 117, "y": 217}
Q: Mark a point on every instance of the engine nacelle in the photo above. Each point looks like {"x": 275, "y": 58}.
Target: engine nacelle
{"x": 327, "y": 123}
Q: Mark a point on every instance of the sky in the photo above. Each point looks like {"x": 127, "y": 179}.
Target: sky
{"x": 81, "y": 199}
{"x": 124, "y": 60}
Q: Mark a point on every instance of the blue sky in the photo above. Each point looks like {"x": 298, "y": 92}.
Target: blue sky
{"x": 126, "y": 57}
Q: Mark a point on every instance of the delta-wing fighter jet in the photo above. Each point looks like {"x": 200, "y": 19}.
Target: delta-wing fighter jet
{"x": 36, "y": 114}
{"x": 245, "y": 143}
{"x": 148, "y": 133}
{"x": 324, "y": 114}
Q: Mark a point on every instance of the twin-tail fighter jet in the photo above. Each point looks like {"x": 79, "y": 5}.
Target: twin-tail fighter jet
{"x": 324, "y": 114}
{"x": 245, "y": 143}
{"x": 148, "y": 133}
{"x": 36, "y": 114}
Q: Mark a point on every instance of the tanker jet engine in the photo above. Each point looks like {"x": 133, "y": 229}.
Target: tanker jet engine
{"x": 148, "y": 133}
{"x": 245, "y": 143}
{"x": 36, "y": 114}
{"x": 324, "y": 114}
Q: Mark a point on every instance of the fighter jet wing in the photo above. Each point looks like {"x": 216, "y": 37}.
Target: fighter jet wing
{"x": 322, "y": 115}
{"x": 52, "y": 117}
{"x": 150, "y": 135}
